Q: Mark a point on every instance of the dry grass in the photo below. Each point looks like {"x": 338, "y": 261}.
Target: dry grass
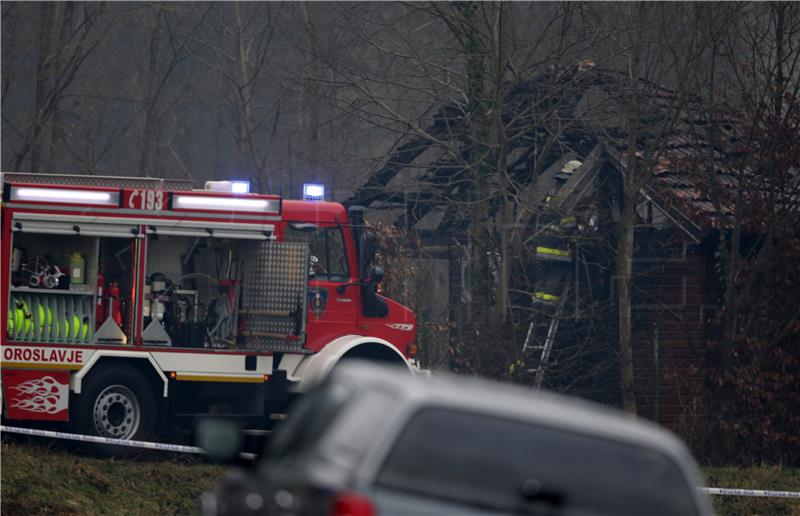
{"x": 773, "y": 478}
{"x": 49, "y": 478}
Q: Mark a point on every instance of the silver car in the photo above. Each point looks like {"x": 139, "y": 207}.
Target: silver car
{"x": 372, "y": 440}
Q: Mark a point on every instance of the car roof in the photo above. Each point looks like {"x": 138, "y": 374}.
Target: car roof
{"x": 505, "y": 400}
{"x": 413, "y": 393}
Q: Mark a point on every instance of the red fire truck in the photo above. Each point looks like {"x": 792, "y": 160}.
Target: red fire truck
{"x": 136, "y": 305}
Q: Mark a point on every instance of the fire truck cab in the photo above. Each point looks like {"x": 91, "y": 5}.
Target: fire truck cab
{"x": 135, "y": 305}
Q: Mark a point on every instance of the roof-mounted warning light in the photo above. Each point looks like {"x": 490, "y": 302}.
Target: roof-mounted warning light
{"x": 238, "y": 187}
{"x": 219, "y": 203}
{"x": 313, "y": 192}
{"x": 64, "y": 195}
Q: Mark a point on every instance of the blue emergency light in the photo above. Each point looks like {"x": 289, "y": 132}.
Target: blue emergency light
{"x": 240, "y": 186}
{"x": 313, "y": 192}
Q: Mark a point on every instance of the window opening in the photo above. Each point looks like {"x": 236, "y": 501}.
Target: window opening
{"x": 328, "y": 256}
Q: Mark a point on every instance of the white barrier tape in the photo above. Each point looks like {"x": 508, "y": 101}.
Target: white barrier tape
{"x": 119, "y": 442}
{"x": 194, "y": 449}
{"x": 749, "y": 492}
{"x": 104, "y": 440}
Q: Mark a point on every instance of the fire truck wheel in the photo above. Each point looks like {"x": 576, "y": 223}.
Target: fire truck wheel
{"x": 117, "y": 403}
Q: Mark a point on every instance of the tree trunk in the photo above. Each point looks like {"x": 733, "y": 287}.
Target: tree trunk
{"x": 624, "y": 280}
{"x": 475, "y": 154}
{"x": 244, "y": 90}
{"x": 498, "y": 141}
{"x": 309, "y": 101}
{"x": 56, "y": 131}
{"x": 150, "y": 97}
{"x": 730, "y": 301}
{"x": 42, "y": 81}
{"x": 632, "y": 182}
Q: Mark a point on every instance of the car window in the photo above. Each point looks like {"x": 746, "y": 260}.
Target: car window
{"x": 517, "y": 466}
{"x": 366, "y": 420}
{"x": 313, "y": 414}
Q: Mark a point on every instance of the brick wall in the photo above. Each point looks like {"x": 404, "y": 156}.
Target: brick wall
{"x": 672, "y": 296}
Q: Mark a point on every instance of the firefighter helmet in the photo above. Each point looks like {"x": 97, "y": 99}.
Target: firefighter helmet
{"x": 571, "y": 166}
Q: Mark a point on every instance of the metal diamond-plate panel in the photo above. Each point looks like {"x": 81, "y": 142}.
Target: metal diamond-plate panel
{"x": 274, "y": 296}
{"x": 110, "y": 181}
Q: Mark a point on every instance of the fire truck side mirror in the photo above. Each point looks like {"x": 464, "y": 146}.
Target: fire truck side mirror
{"x": 373, "y": 305}
{"x": 376, "y": 275}
{"x": 368, "y": 254}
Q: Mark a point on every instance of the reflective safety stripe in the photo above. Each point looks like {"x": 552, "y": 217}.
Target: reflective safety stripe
{"x": 551, "y": 251}
{"x": 212, "y": 378}
{"x": 545, "y": 297}
{"x": 34, "y": 365}
{"x": 569, "y": 220}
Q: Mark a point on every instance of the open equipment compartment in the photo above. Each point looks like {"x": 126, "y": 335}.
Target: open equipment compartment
{"x": 62, "y": 290}
{"x": 191, "y": 290}
{"x": 52, "y": 291}
{"x": 223, "y": 293}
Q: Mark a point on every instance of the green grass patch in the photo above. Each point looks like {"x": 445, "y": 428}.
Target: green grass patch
{"x": 37, "y": 479}
{"x": 772, "y": 478}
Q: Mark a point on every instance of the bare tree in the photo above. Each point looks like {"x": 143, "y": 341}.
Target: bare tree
{"x": 80, "y": 33}
{"x": 168, "y": 48}
{"x": 651, "y": 45}
{"x": 764, "y": 57}
{"x": 239, "y": 57}
{"x": 449, "y": 80}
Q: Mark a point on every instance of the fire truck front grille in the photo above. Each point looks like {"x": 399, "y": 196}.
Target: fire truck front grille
{"x": 274, "y": 296}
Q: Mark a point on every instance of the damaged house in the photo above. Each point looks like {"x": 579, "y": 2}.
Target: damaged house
{"x": 542, "y": 206}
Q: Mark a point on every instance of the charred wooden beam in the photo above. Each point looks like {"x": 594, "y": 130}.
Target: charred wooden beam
{"x": 373, "y": 189}
{"x": 448, "y": 121}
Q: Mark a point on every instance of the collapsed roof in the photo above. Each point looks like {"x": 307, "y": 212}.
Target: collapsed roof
{"x": 578, "y": 114}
